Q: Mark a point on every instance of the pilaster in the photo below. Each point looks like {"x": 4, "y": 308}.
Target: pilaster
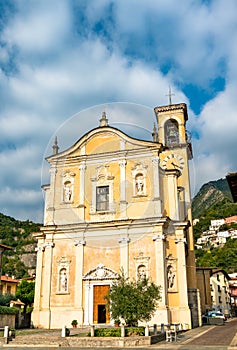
{"x": 81, "y": 206}
{"x": 159, "y": 240}
{"x": 47, "y": 278}
{"x": 156, "y": 187}
{"x": 172, "y": 191}
{"x": 123, "y": 203}
{"x": 180, "y": 240}
{"x": 51, "y": 198}
{"x": 124, "y": 254}
{"x": 78, "y": 301}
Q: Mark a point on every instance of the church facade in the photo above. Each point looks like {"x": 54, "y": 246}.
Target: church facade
{"x": 118, "y": 203}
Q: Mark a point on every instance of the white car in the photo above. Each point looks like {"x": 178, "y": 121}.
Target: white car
{"x": 216, "y": 314}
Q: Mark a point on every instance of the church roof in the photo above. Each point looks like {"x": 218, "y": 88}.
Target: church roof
{"x": 104, "y": 129}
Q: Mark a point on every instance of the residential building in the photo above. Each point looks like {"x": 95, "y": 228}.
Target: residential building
{"x": 204, "y": 286}
{"x": 233, "y": 293}
{"x": 8, "y": 285}
{"x": 220, "y": 292}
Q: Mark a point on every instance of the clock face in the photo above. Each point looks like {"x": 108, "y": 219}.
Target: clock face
{"x": 173, "y": 161}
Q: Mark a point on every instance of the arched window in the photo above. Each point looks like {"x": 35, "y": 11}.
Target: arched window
{"x": 171, "y": 132}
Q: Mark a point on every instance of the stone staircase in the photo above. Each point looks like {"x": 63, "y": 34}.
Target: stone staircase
{"x": 44, "y": 339}
{"x": 39, "y": 341}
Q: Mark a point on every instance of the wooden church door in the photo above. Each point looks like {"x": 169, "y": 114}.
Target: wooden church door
{"x": 100, "y": 313}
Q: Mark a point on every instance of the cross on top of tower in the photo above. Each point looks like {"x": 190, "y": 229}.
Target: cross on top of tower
{"x": 170, "y": 96}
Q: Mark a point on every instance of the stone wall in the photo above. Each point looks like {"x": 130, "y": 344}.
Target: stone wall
{"x": 7, "y": 320}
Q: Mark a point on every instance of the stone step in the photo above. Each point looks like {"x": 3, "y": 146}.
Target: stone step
{"x": 24, "y": 340}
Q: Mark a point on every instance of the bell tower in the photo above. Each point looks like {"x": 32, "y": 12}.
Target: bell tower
{"x": 172, "y": 120}
{"x": 177, "y": 151}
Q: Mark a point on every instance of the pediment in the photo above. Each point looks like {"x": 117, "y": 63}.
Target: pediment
{"x": 101, "y": 272}
{"x": 103, "y": 140}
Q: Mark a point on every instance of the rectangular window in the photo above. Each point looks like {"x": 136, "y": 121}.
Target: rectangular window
{"x": 8, "y": 289}
{"x": 102, "y": 198}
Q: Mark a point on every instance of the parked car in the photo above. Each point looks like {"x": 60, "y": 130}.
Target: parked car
{"x": 216, "y": 314}
{"x": 212, "y": 315}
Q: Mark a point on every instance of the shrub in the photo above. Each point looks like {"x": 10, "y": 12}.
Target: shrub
{"x": 134, "y": 331}
{"x": 108, "y": 332}
{"x": 116, "y": 332}
{"x": 4, "y": 310}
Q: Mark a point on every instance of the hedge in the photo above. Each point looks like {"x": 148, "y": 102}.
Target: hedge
{"x": 5, "y": 310}
{"x": 116, "y": 332}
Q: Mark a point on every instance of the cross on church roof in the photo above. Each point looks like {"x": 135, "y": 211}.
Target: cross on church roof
{"x": 170, "y": 95}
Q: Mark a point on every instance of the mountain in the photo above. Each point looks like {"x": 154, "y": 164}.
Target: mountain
{"x": 209, "y": 195}
{"x": 21, "y": 260}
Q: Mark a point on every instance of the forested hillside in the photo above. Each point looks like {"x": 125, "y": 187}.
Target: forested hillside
{"x": 21, "y": 260}
{"x": 214, "y": 201}
{"x": 210, "y": 194}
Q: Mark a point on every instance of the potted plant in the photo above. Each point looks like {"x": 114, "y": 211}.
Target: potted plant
{"x": 74, "y": 323}
{"x": 116, "y": 323}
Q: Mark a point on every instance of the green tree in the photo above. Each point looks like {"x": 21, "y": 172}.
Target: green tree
{"x": 132, "y": 300}
{"x": 25, "y": 292}
{"x": 6, "y": 298}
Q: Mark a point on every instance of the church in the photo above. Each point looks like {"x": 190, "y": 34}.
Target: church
{"x": 117, "y": 203}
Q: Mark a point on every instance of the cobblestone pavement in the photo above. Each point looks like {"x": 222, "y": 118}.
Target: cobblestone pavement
{"x": 208, "y": 337}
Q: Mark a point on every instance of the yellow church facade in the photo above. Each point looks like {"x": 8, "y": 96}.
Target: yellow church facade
{"x": 118, "y": 203}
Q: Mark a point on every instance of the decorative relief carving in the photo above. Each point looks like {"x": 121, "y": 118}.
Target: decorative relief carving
{"x": 124, "y": 240}
{"x": 49, "y": 245}
{"x": 122, "y": 163}
{"x": 101, "y": 273}
{"x": 80, "y": 243}
{"x": 180, "y": 240}
{"x": 40, "y": 249}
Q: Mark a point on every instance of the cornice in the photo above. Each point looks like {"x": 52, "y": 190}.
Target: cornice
{"x": 173, "y": 108}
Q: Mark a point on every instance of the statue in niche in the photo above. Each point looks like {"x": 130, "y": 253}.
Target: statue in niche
{"x": 63, "y": 280}
{"x": 170, "y": 276}
{"x": 141, "y": 272}
{"x": 139, "y": 184}
{"x": 67, "y": 192}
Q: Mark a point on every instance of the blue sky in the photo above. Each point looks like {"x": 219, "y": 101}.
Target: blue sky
{"x": 58, "y": 58}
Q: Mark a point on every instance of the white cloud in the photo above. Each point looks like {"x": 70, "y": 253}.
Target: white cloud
{"x": 38, "y": 27}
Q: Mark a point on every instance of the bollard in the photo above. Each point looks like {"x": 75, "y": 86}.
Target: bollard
{"x": 6, "y": 333}
{"x": 122, "y": 330}
{"x": 162, "y": 328}
{"x": 63, "y": 331}
{"x": 155, "y": 329}
{"x": 92, "y": 331}
{"x": 147, "y": 330}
